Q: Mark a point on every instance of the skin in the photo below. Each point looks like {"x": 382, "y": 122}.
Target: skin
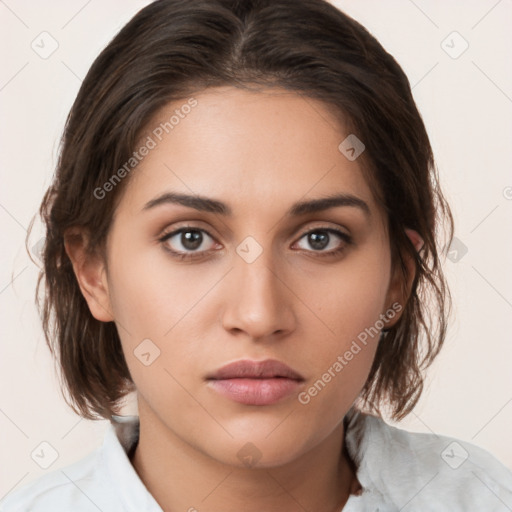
{"x": 259, "y": 152}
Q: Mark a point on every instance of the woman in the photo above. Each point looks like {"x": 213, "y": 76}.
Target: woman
{"x": 243, "y": 230}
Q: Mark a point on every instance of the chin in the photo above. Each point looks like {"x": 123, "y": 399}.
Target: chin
{"x": 257, "y": 451}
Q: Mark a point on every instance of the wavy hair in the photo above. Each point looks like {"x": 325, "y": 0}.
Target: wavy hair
{"x": 172, "y": 49}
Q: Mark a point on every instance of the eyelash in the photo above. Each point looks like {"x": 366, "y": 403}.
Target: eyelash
{"x": 196, "y": 255}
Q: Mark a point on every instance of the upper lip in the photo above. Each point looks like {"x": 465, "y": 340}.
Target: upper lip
{"x": 255, "y": 369}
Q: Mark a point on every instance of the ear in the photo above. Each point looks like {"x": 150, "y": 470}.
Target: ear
{"x": 90, "y": 272}
{"x": 400, "y": 286}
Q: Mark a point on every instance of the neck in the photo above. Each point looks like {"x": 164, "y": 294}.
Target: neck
{"x": 180, "y": 477}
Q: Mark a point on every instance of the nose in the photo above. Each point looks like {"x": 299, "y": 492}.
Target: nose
{"x": 259, "y": 301}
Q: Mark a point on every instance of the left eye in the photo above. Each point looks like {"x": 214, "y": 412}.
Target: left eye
{"x": 319, "y": 239}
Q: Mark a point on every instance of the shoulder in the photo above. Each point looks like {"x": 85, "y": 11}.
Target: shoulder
{"x": 419, "y": 471}
{"x": 86, "y": 485}
{"x": 72, "y": 487}
{"x": 103, "y": 480}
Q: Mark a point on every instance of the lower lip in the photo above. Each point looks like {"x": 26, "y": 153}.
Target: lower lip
{"x": 256, "y": 391}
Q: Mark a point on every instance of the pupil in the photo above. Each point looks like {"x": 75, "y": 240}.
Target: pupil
{"x": 319, "y": 240}
{"x": 191, "y": 239}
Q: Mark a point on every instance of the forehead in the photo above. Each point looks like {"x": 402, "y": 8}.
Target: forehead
{"x": 262, "y": 150}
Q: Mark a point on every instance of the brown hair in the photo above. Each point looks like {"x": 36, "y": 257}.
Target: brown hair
{"x": 172, "y": 49}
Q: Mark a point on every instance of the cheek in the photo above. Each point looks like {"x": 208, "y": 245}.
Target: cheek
{"x": 348, "y": 298}
{"x": 340, "y": 358}
{"x": 157, "y": 307}
{"x": 344, "y": 331}
{"x": 150, "y": 294}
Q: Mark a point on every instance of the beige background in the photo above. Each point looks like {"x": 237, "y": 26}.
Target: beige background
{"x": 466, "y": 103}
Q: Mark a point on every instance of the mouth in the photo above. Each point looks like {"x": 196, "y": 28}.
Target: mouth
{"x": 255, "y": 382}
{"x": 245, "y": 368}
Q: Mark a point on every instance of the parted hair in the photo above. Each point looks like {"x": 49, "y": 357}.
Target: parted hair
{"x": 172, "y": 49}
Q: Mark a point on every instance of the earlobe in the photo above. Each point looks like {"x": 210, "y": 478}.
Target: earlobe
{"x": 91, "y": 275}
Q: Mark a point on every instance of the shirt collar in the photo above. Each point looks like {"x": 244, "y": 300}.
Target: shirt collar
{"x": 121, "y": 438}
{"x": 123, "y": 435}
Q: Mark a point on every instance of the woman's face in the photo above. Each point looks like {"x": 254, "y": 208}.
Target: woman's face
{"x": 263, "y": 277}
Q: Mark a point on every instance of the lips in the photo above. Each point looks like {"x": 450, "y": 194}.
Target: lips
{"x": 270, "y": 368}
{"x": 255, "y": 382}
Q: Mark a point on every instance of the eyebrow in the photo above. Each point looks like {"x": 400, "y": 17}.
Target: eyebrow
{"x": 207, "y": 204}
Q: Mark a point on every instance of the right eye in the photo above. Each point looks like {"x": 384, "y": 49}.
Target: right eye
{"x": 185, "y": 242}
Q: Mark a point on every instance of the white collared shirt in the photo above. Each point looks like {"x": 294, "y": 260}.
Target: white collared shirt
{"x": 398, "y": 471}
